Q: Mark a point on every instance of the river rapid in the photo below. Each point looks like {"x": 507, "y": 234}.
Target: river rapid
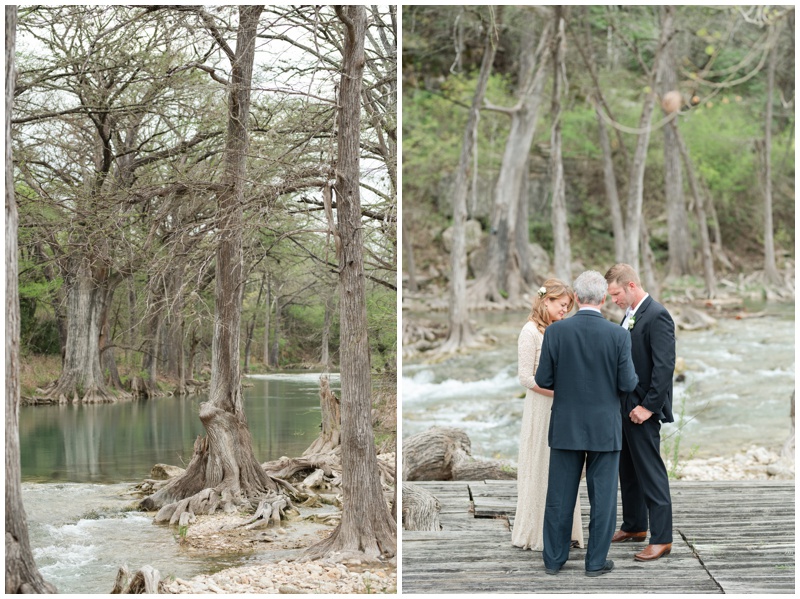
{"x": 79, "y": 464}
{"x": 738, "y": 380}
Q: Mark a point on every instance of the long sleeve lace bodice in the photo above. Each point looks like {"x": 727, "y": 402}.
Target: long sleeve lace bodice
{"x": 529, "y": 347}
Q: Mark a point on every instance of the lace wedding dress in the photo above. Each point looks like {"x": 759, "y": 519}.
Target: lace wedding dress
{"x": 533, "y": 464}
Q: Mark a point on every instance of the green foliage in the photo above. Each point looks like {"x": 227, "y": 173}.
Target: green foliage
{"x": 721, "y": 129}
{"x": 671, "y": 445}
{"x": 382, "y": 325}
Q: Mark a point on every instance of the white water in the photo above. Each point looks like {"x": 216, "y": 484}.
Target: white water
{"x": 739, "y": 378}
{"x": 82, "y": 533}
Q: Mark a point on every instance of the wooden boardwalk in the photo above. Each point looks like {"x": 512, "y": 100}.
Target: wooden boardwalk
{"x": 729, "y": 537}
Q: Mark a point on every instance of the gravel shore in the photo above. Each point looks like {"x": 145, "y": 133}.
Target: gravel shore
{"x": 757, "y": 463}
{"x": 293, "y": 577}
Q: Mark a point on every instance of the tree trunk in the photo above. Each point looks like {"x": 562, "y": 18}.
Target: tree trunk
{"x": 81, "y": 378}
{"x": 252, "y": 327}
{"x": 224, "y": 471}
{"x": 331, "y": 433}
{"x": 147, "y": 387}
{"x": 680, "y": 245}
{"x": 325, "y": 357}
{"x": 636, "y": 184}
{"x": 108, "y": 360}
{"x": 408, "y": 254}
{"x": 366, "y": 526}
{"x": 274, "y": 358}
{"x": 267, "y": 312}
{"x": 459, "y": 329}
{"x": 609, "y": 175}
{"x": 699, "y": 207}
{"x": 612, "y": 191}
{"x": 562, "y": 258}
{"x": 770, "y": 270}
{"x": 649, "y": 276}
{"x": 502, "y": 277}
{"x": 22, "y": 574}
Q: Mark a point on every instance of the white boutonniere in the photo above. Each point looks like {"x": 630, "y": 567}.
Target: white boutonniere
{"x": 631, "y": 322}
{"x": 541, "y": 291}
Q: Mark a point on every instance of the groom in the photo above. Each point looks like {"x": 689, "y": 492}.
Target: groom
{"x": 644, "y": 483}
{"x": 586, "y": 360}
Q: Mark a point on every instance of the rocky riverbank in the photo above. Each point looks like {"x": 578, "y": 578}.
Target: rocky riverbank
{"x": 294, "y": 577}
{"x": 757, "y": 463}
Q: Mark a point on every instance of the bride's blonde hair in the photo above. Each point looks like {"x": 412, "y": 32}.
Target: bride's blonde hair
{"x": 553, "y": 289}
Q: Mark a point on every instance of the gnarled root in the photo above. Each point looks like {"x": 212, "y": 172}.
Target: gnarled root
{"x": 145, "y": 580}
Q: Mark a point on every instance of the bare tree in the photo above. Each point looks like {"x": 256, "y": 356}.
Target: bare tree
{"x": 367, "y": 526}
{"x": 680, "y": 244}
{"x": 224, "y": 470}
{"x": 460, "y": 331}
{"x": 502, "y": 278}
{"x": 770, "y": 270}
{"x": 562, "y": 251}
{"x": 603, "y": 111}
{"x": 22, "y": 575}
{"x": 633, "y": 216}
{"x": 700, "y": 212}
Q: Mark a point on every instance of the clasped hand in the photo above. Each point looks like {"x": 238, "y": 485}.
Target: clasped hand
{"x": 639, "y": 414}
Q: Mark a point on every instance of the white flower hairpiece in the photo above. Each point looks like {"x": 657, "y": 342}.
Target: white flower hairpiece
{"x": 541, "y": 291}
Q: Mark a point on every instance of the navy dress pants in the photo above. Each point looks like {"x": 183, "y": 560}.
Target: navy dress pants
{"x": 602, "y": 471}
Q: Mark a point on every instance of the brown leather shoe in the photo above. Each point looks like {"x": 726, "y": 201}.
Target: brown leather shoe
{"x": 653, "y": 552}
{"x": 621, "y": 536}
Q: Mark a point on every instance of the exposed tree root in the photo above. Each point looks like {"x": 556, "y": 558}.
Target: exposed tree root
{"x": 146, "y": 580}
{"x": 63, "y": 393}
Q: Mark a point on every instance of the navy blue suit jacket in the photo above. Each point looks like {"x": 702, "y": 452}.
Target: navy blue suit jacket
{"x": 586, "y": 361}
{"x": 653, "y": 351}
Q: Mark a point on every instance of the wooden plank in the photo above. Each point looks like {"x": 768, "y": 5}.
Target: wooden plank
{"x": 719, "y": 545}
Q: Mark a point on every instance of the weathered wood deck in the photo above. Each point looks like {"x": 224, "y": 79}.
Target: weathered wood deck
{"x": 729, "y": 537}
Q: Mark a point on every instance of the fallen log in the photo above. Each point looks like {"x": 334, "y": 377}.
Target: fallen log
{"x": 443, "y": 453}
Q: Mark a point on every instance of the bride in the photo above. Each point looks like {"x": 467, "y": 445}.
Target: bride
{"x": 553, "y": 301}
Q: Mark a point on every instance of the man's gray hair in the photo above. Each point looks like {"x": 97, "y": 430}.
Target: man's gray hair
{"x": 590, "y": 287}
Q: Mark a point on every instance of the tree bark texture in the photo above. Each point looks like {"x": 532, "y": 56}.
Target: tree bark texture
{"x": 330, "y": 435}
{"x": 420, "y": 509}
{"x": 22, "y": 574}
{"x": 680, "y": 243}
{"x": 366, "y": 526}
{"x": 81, "y": 379}
{"x": 267, "y": 313}
{"x": 636, "y": 181}
{"x": 431, "y": 455}
{"x": 443, "y": 453}
{"x": 459, "y": 331}
{"x": 770, "y": 270}
{"x": 612, "y": 191}
{"x": 224, "y": 470}
{"x": 702, "y": 222}
{"x": 562, "y": 253}
{"x": 502, "y": 278}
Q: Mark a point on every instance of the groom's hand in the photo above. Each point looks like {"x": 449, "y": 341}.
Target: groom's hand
{"x": 639, "y": 414}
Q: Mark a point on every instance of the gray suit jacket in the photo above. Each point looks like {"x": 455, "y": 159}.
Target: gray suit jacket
{"x": 586, "y": 361}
